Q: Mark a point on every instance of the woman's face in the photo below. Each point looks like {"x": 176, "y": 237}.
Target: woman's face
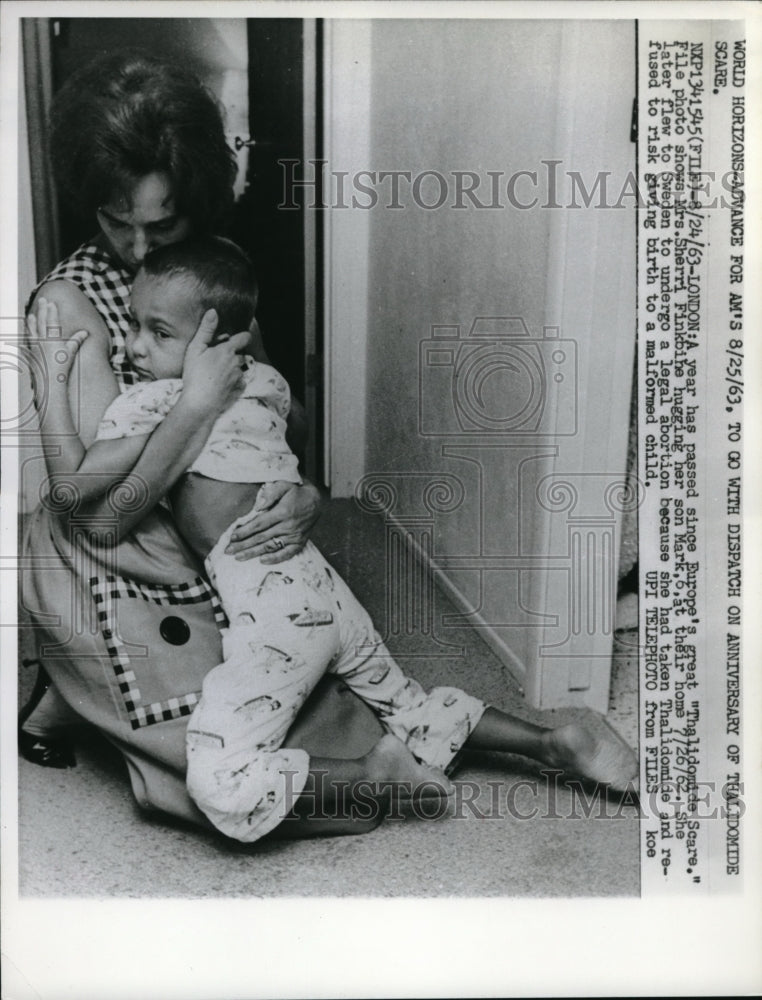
{"x": 147, "y": 221}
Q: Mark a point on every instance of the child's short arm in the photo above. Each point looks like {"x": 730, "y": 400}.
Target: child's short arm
{"x": 123, "y": 433}
{"x": 297, "y": 427}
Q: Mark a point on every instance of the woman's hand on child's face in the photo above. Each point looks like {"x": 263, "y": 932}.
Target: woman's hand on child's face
{"x": 286, "y": 514}
{"x": 46, "y": 342}
{"x": 212, "y": 372}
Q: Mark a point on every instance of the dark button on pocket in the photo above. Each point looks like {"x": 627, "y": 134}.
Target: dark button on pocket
{"x": 174, "y": 630}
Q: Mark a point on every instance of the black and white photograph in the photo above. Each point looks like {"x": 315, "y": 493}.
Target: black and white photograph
{"x": 440, "y": 689}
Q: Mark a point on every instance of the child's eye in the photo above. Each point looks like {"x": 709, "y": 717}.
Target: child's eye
{"x": 161, "y": 334}
{"x": 134, "y": 325}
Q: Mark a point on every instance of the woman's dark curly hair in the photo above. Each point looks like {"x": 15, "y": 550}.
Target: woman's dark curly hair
{"x": 130, "y": 114}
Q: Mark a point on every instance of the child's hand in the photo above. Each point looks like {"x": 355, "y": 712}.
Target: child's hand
{"x": 212, "y": 372}
{"x": 47, "y": 344}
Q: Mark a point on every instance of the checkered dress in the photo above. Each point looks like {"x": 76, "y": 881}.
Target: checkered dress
{"x": 155, "y": 602}
{"x": 107, "y": 286}
{"x": 129, "y": 635}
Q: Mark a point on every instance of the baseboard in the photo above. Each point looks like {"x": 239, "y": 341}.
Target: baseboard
{"x": 506, "y": 656}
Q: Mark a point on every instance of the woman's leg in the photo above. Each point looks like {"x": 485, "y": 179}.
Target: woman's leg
{"x": 593, "y": 751}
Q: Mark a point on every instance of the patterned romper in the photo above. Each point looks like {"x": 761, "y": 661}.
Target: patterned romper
{"x": 289, "y": 624}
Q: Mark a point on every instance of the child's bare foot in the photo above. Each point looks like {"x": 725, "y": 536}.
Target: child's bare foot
{"x": 592, "y": 750}
{"x": 391, "y": 761}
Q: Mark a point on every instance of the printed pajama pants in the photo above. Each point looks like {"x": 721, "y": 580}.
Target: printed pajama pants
{"x": 289, "y": 624}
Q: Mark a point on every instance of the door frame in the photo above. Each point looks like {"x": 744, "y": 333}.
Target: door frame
{"x": 346, "y": 252}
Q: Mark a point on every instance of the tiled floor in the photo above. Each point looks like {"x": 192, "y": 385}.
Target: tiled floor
{"x": 82, "y": 836}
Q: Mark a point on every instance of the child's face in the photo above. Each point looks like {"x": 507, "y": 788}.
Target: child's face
{"x": 165, "y": 315}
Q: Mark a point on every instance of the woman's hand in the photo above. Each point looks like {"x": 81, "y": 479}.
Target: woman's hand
{"x": 212, "y": 372}
{"x": 280, "y": 527}
{"x": 47, "y": 344}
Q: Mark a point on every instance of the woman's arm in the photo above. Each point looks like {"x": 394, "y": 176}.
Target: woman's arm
{"x": 104, "y": 462}
{"x": 290, "y": 514}
{"x": 210, "y": 377}
{"x": 91, "y": 384}
{"x": 61, "y": 445}
{"x": 100, "y": 465}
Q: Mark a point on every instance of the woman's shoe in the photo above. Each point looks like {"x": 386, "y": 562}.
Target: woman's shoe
{"x": 47, "y": 751}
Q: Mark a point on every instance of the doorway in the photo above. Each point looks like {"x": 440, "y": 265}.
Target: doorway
{"x": 264, "y": 73}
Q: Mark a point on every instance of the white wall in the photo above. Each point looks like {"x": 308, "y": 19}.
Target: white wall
{"x": 492, "y": 96}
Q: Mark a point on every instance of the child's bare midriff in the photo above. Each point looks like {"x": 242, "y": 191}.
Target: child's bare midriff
{"x": 203, "y": 508}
